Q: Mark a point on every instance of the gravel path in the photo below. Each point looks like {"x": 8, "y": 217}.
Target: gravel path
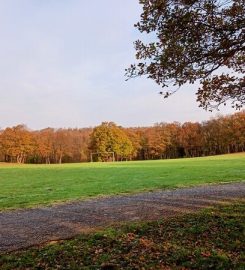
{"x": 25, "y": 228}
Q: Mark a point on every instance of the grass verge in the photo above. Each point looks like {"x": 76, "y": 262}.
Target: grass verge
{"x": 24, "y": 186}
{"x": 211, "y": 239}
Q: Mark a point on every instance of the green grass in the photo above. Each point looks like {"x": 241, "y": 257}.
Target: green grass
{"x": 211, "y": 239}
{"x": 31, "y": 185}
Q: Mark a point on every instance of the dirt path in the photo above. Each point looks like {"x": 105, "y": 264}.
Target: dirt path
{"x": 24, "y": 228}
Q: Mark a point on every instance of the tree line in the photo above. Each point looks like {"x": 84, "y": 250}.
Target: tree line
{"x": 220, "y": 135}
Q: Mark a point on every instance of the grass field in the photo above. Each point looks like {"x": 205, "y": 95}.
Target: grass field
{"x": 211, "y": 239}
{"x": 32, "y": 185}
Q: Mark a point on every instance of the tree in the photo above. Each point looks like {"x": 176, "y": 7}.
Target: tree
{"x": 191, "y": 139}
{"x": 194, "y": 40}
{"x": 108, "y": 137}
{"x": 16, "y": 144}
{"x": 44, "y": 143}
{"x": 158, "y": 140}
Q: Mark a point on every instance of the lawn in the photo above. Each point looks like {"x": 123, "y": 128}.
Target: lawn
{"x": 31, "y": 185}
{"x": 211, "y": 239}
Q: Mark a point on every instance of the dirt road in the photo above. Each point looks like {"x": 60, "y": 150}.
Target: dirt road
{"x": 28, "y": 227}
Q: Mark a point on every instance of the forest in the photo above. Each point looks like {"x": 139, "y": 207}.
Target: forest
{"x": 219, "y": 135}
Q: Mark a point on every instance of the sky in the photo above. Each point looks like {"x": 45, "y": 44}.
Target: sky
{"x": 62, "y": 64}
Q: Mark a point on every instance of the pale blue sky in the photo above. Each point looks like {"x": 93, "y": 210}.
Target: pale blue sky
{"x": 62, "y": 65}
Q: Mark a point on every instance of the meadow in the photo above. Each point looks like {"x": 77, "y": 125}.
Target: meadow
{"x": 23, "y": 186}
